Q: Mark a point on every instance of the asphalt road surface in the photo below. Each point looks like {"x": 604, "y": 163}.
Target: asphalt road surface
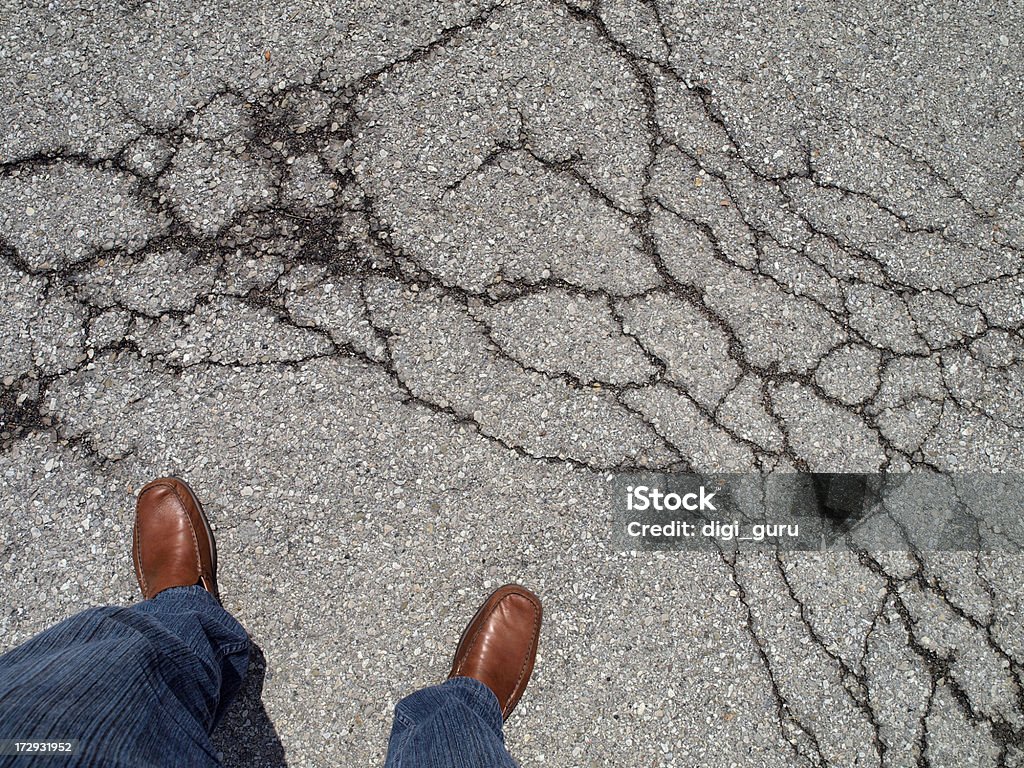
{"x": 397, "y": 286}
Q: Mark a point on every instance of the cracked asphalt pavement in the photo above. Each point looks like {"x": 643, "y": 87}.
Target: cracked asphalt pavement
{"x": 396, "y": 287}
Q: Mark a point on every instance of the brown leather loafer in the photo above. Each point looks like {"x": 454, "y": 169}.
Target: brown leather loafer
{"x": 172, "y": 544}
{"x": 499, "y": 647}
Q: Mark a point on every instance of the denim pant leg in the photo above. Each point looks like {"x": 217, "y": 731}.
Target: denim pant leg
{"x": 138, "y": 686}
{"x": 454, "y": 725}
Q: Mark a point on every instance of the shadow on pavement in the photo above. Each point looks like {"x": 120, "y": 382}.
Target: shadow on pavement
{"x": 246, "y": 737}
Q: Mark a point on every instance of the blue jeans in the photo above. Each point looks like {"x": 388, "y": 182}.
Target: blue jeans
{"x": 138, "y": 686}
{"x": 453, "y": 725}
{"x": 145, "y": 686}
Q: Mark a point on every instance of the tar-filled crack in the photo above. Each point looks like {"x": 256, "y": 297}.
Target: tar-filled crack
{"x": 855, "y": 681}
{"x": 270, "y": 121}
{"x": 854, "y": 677}
{"x": 273, "y": 139}
{"x": 940, "y": 666}
{"x": 800, "y": 736}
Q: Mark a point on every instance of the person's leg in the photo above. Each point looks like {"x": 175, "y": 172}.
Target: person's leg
{"x": 459, "y": 724}
{"x": 144, "y": 685}
{"x": 454, "y": 725}
{"x": 138, "y": 686}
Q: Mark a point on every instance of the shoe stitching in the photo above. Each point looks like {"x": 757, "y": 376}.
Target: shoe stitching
{"x": 191, "y": 527}
{"x": 210, "y": 585}
{"x": 138, "y": 561}
{"x": 526, "y": 659}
